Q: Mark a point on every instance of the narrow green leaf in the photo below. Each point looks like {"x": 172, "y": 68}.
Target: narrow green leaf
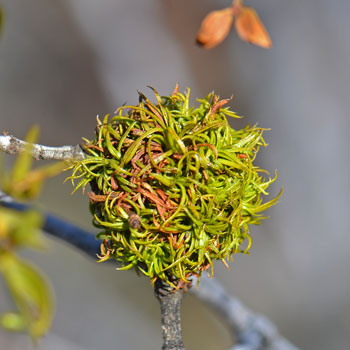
{"x": 22, "y": 228}
{"x": 12, "y": 321}
{"x": 30, "y": 292}
{"x": 24, "y": 160}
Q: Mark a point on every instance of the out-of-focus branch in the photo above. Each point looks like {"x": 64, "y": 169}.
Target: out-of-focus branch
{"x": 170, "y": 305}
{"x": 13, "y": 145}
{"x": 251, "y": 331}
{"x": 85, "y": 241}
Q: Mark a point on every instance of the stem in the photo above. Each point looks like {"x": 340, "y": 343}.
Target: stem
{"x": 13, "y": 145}
{"x": 252, "y": 331}
{"x": 170, "y": 304}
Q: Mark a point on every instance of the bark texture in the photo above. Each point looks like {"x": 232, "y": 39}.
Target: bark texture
{"x": 170, "y": 304}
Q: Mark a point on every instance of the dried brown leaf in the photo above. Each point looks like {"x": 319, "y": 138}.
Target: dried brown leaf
{"x": 215, "y": 28}
{"x": 250, "y": 28}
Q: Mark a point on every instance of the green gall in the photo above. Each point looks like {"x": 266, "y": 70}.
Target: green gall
{"x": 173, "y": 187}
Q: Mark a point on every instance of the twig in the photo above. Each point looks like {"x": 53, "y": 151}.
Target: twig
{"x": 13, "y": 145}
{"x": 170, "y": 305}
{"x": 252, "y": 331}
{"x": 85, "y": 241}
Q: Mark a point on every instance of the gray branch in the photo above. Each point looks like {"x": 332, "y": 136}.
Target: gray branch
{"x": 13, "y": 145}
{"x": 170, "y": 305}
{"x": 251, "y": 331}
{"x": 75, "y": 236}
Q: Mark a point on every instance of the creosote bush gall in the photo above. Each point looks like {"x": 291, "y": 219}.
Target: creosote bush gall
{"x": 173, "y": 187}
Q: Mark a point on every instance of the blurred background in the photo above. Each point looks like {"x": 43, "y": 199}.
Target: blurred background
{"x": 63, "y": 62}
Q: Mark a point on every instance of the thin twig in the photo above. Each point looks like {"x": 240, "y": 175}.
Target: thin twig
{"x": 170, "y": 305}
{"x": 13, "y": 145}
{"x": 84, "y": 240}
{"x": 251, "y": 331}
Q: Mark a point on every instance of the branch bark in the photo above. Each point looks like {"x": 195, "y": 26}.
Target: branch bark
{"x": 170, "y": 304}
{"x": 251, "y": 331}
{"x": 83, "y": 240}
{"x": 13, "y": 145}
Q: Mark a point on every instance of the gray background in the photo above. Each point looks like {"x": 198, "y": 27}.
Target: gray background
{"x": 63, "y": 62}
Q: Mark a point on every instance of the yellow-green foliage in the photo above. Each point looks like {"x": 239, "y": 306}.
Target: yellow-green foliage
{"x": 28, "y": 288}
{"x": 173, "y": 187}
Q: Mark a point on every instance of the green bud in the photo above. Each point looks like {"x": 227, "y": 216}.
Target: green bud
{"x": 173, "y": 188}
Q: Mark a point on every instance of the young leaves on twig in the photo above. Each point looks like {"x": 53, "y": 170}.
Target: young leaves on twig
{"x": 27, "y": 286}
{"x": 30, "y": 291}
{"x": 24, "y": 182}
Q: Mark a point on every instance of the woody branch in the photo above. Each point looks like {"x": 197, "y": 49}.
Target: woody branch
{"x": 12, "y": 145}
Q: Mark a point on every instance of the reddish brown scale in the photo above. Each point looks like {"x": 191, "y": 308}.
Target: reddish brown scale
{"x": 137, "y": 157}
{"x": 179, "y": 245}
{"x": 135, "y": 197}
{"x": 189, "y": 193}
{"x": 176, "y": 90}
{"x": 162, "y": 194}
{"x": 102, "y": 197}
{"x": 161, "y": 211}
{"x": 153, "y": 197}
{"x": 156, "y": 224}
{"x": 242, "y": 156}
{"x": 95, "y": 147}
{"x": 137, "y": 132}
{"x": 126, "y": 207}
{"x": 120, "y": 200}
{"x": 177, "y": 156}
{"x": 218, "y": 105}
{"x": 114, "y": 184}
{"x": 128, "y": 141}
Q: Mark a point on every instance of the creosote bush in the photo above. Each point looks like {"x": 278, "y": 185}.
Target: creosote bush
{"x": 173, "y": 187}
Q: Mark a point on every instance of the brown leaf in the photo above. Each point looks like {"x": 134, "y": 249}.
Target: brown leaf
{"x": 250, "y": 28}
{"x": 215, "y": 28}
{"x": 217, "y": 105}
{"x": 176, "y": 90}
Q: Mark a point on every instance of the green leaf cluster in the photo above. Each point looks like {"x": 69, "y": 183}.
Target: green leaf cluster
{"x": 28, "y": 288}
{"x": 174, "y": 187}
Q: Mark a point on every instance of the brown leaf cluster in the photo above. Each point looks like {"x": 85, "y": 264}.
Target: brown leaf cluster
{"x": 250, "y": 28}
{"x": 217, "y": 24}
{"x": 215, "y": 28}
